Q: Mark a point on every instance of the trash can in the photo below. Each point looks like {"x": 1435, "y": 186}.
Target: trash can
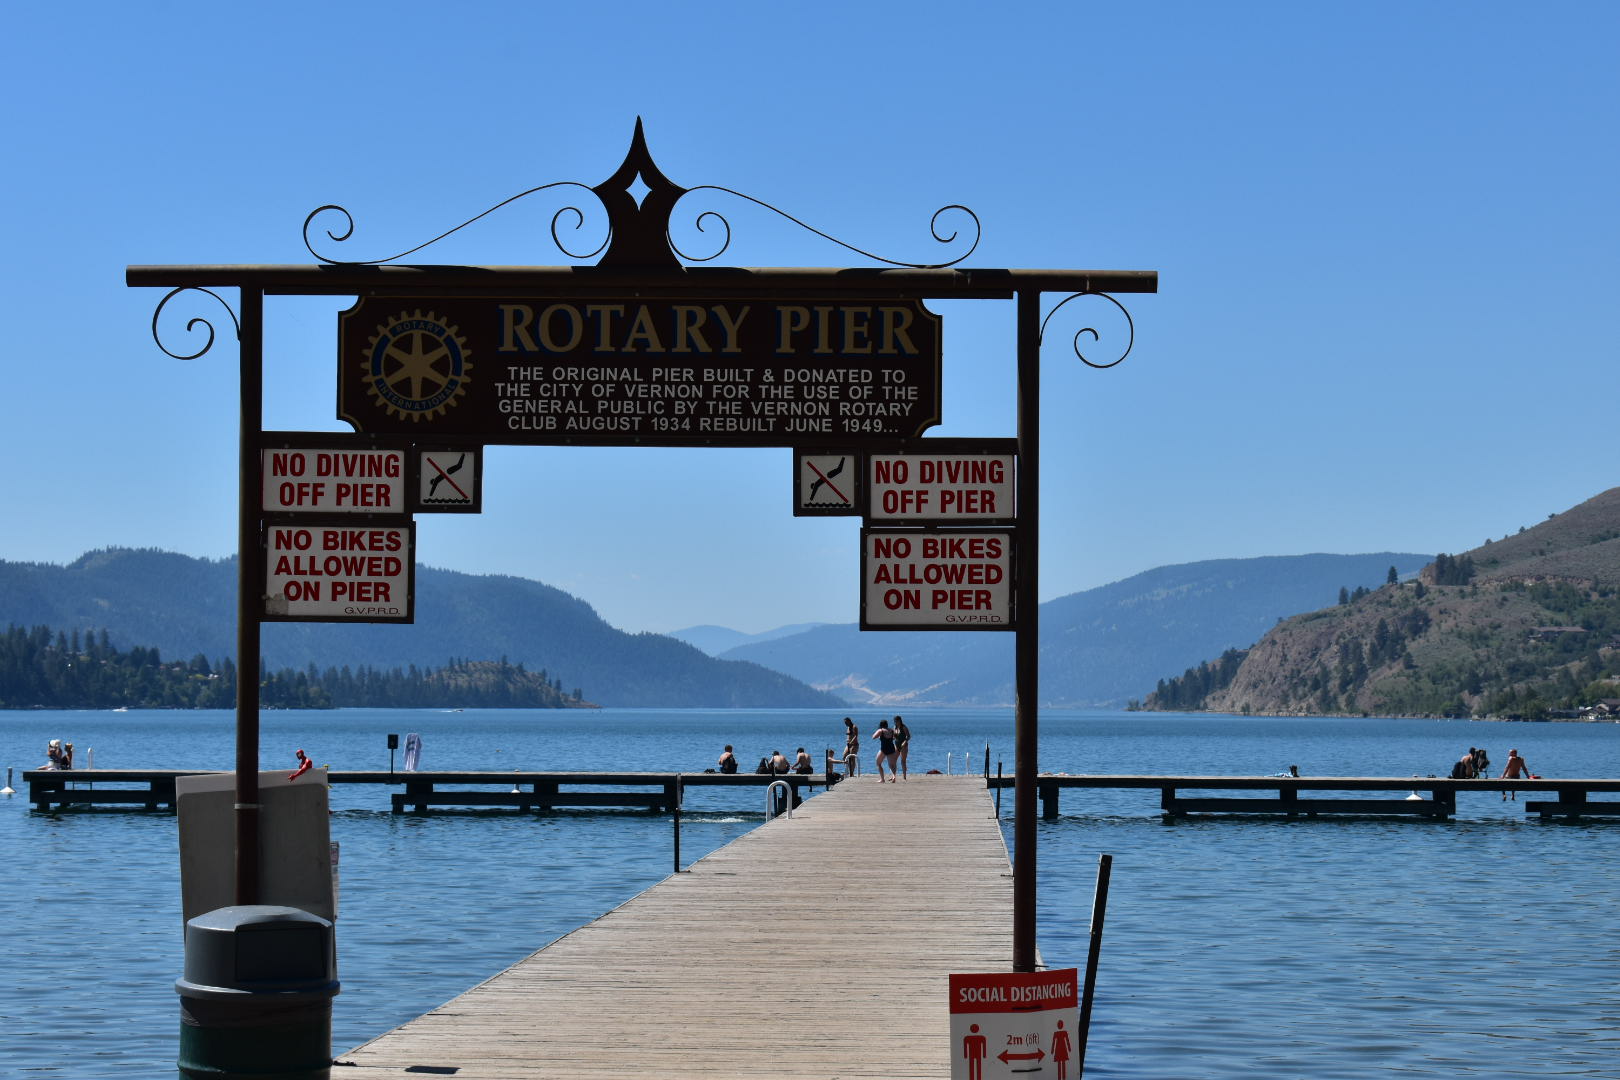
{"x": 256, "y": 998}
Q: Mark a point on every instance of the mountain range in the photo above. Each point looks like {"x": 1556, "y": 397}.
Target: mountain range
{"x": 1099, "y": 648}
{"x": 185, "y": 606}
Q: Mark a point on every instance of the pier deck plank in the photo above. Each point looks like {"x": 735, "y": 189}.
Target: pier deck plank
{"x": 814, "y": 946}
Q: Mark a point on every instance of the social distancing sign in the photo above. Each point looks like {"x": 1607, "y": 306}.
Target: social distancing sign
{"x": 1015, "y": 1024}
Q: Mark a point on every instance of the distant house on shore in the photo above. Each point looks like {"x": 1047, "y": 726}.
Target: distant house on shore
{"x": 1606, "y": 708}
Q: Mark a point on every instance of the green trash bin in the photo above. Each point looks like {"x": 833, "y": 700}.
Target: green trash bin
{"x": 256, "y": 998}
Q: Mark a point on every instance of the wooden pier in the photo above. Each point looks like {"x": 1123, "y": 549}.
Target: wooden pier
{"x": 818, "y": 945}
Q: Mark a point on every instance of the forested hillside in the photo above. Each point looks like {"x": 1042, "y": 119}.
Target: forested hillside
{"x": 1527, "y": 627}
{"x": 42, "y": 670}
{"x": 184, "y": 607}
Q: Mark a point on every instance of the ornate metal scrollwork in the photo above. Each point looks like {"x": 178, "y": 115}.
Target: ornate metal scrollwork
{"x": 193, "y": 323}
{"x": 638, "y": 222}
{"x": 1130, "y": 327}
{"x": 348, "y": 228}
{"x": 933, "y": 229}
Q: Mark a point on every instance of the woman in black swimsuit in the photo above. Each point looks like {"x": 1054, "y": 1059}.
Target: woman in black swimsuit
{"x": 886, "y": 752}
{"x": 902, "y": 739}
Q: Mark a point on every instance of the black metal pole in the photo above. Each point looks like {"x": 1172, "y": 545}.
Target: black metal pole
{"x": 1099, "y": 907}
{"x": 249, "y": 589}
{"x": 680, "y": 797}
{"x": 1027, "y": 648}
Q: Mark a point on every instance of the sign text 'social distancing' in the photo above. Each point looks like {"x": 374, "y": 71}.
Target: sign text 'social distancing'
{"x": 926, "y": 580}
{"x": 339, "y": 572}
{"x": 627, "y": 371}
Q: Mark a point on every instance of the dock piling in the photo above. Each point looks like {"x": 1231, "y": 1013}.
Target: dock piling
{"x": 1099, "y": 908}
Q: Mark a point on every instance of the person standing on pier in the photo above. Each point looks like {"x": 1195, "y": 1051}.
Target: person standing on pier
{"x": 886, "y": 751}
{"x": 852, "y": 746}
{"x": 902, "y": 739}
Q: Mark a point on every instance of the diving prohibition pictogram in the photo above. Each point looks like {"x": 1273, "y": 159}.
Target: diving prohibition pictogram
{"x": 825, "y": 484}
{"x": 449, "y": 480}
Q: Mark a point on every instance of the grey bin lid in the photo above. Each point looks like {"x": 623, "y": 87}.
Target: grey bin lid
{"x": 258, "y": 949}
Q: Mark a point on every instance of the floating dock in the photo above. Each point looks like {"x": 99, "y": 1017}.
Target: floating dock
{"x": 656, "y": 792}
{"x": 817, "y": 945}
{"x": 1425, "y": 796}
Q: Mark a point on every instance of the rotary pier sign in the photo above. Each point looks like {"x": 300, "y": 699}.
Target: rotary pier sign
{"x": 623, "y": 370}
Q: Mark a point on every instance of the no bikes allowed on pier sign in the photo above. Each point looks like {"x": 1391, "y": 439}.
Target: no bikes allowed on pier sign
{"x": 1007, "y": 1024}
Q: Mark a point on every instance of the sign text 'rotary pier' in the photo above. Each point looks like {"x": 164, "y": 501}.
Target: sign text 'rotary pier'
{"x": 627, "y": 371}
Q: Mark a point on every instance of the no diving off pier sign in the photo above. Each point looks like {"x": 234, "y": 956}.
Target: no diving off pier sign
{"x": 945, "y": 481}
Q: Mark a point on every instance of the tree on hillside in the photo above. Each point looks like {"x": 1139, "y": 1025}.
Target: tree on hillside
{"x": 1393, "y": 578}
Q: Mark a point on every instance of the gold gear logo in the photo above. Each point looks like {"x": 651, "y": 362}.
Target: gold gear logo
{"x": 417, "y": 365}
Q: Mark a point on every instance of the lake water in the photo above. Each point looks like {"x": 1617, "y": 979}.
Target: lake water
{"x": 1257, "y": 947}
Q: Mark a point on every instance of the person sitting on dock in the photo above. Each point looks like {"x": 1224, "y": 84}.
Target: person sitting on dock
{"x": 728, "y": 760}
{"x": 802, "y": 764}
{"x": 1515, "y": 769}
{"x": 60, "y": 757}
{"x": 1466, "y": 767}
{"x": 764, "y": 766}
{"x": 779, "y": 762}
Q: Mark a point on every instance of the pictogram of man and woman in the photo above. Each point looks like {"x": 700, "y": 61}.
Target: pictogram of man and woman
{"x": 976, "y": 1047}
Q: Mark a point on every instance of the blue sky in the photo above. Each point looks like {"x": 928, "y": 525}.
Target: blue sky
{"x": 1386, "y": 234}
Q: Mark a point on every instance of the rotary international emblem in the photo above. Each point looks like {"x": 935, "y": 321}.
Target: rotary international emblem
{"x": 417, "y": 365}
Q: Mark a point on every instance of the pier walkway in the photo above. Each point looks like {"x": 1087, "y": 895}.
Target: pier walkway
{"x": 817, "y": 945}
